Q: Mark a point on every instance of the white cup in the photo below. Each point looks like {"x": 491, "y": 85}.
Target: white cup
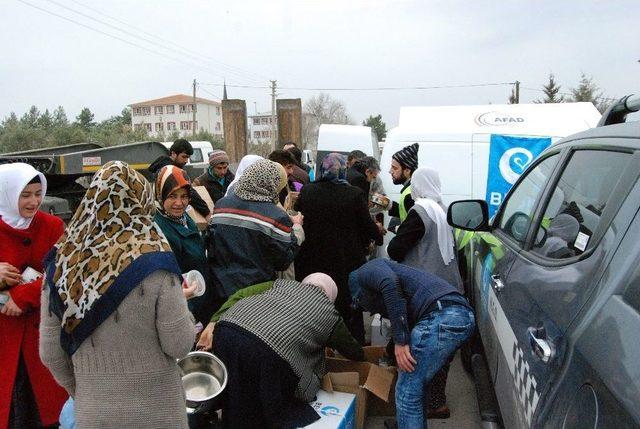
{"x": 195, "y": 275}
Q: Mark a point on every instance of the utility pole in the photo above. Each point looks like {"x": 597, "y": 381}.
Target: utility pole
{"x": 517, "y": 92}
{"x": 194, "y": 110}
{"x": 273, "y": 115}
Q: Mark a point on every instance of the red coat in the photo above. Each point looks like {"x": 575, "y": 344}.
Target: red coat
{"x": 22, "y": 249}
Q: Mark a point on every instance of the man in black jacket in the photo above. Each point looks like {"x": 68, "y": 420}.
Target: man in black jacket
{"x": 179, "y": 154}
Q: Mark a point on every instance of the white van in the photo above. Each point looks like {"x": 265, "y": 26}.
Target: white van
{"x": 200, "y": 158}
{"x": 455, "y": 140}
{"x": 345, "y": 138}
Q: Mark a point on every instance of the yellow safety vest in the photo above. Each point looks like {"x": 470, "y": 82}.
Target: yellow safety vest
{"x": 402, "y": 209}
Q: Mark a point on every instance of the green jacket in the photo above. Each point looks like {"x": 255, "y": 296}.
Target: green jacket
{"x": 340, "y": 340}
{"x": 186, "y": 243}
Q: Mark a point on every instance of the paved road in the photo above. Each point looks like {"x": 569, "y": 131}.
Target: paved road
{"x": 461, "y": 397}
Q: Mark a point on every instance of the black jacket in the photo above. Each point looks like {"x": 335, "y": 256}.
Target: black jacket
{"x": 215, "y": 189}
{"x": 338, "y": 228}
{"x": 196, "y": 202}
{"x": 356, "y": 178}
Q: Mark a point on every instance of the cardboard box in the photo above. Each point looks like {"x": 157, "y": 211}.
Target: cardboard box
{"x": 337, "y": 410}
{"x": 200, "y": 221}
{"x": 375, "y": 404}
{"x": 364, "y": 379}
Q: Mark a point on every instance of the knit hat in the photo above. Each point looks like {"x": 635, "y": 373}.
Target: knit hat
{"x": 217, "y": 157}
{"x": 408, "y": 156}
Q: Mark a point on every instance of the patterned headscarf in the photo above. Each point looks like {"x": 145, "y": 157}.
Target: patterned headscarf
{"x": 245, "y": 162}
{"x": 169, "y": 179}
{"x": 259, "y": 182}
{"x": 334, "y": 168}
{"x": 110, "y": 245}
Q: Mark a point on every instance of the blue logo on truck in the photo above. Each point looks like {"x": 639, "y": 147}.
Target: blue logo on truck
{"x": 508, "y": 158}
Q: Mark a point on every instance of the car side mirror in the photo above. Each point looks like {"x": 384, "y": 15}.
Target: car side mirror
{"x": 470, "y": 215}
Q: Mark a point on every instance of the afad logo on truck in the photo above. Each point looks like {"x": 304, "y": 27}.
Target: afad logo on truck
{"x": 492, "y": 119}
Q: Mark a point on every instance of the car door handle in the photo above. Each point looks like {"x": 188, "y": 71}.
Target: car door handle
{"x": 541, "y": 348}
{"x": 496, "y": 282}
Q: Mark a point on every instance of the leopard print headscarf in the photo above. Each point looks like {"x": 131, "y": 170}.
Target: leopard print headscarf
{"x": 259, "y": 182}
{"x": 111, "y": 229}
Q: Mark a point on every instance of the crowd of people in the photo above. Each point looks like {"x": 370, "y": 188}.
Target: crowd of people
{"x": 96, "y": 313}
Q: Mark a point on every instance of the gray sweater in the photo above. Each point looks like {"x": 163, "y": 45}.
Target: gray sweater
{"x": 125, "y": 375}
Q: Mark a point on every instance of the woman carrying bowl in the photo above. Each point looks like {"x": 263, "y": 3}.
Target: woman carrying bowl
{"x": 29, "y": 396}
{"x": 114, "y": 317}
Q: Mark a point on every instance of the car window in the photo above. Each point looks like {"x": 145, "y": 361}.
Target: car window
{"x": 576, "y": 205}
{"x": 518, "y": 208}
{"x": 197, "y": 156}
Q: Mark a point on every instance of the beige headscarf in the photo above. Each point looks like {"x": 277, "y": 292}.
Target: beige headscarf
{"x": 110, "y": 245}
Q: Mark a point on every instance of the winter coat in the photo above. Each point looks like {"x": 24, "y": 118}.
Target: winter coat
{"x": 212, "y": 184}
{"x": 249, "y": 242}
{"x": 19, "y": 335}
{"x": 338, "y": 229}
{"x": 188, "y": 246}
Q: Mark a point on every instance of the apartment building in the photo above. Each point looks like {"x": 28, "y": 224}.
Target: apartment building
{"x": 163, "y": 116}
{"x": 260, "y": 127}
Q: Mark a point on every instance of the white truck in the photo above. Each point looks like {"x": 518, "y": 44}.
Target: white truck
{"x": 344, "y": 139}
{"x": 454, "y": 140}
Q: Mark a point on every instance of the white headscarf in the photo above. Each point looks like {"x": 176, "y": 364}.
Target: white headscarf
{"x": 426, "y": 192}
{"x": 245, "y": 162}
{"x": 13, "y": 179}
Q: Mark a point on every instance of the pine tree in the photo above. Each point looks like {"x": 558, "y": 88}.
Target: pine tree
{"x": 586, "y": 91}
{"x": 60, "y": 117}
{"x": 551, "y": 91}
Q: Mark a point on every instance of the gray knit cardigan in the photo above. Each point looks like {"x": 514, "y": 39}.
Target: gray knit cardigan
{"x": 125, "y": 375}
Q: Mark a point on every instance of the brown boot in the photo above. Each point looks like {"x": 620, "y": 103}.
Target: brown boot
{"x": 442, "y": 412}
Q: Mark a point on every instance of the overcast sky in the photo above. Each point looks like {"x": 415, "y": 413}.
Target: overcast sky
{"x": 49, "y": 61}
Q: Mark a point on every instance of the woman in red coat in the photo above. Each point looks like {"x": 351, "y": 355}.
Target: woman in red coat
{"x": 29, "y": 396}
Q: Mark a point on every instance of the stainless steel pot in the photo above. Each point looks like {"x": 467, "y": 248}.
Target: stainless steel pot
{"x": 204, "y": 378}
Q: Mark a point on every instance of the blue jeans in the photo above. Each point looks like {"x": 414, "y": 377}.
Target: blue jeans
{"x": 433, "y": 339}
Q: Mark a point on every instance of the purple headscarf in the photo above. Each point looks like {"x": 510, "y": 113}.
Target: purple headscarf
{"x": 334, "y": 168}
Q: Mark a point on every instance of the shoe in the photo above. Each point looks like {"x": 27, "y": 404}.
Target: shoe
{"x": 390, "y": 424}
{"x": 442, "y": 412}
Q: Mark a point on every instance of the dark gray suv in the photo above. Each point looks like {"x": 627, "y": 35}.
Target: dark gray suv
{"x": 555, "y": 281}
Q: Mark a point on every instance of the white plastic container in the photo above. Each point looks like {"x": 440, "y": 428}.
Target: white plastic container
{"x": 195, "y": 275}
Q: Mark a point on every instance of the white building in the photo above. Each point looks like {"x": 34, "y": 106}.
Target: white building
{"x": 165, "y": 115}
{"x": 260, "y": 127}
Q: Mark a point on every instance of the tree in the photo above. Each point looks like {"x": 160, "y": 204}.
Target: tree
{"x": 551, "y": 92}
{"x": 126, "y": 116}
{"x": 321, "y": 109}
{"x": 30, "y": 119}
{"x": 45, "y": 121}
{"x": 85, "y": 119}
{"x": 378, "y": 126}
{"x": 588, "y": 91}
{"x": 60, "y": 117}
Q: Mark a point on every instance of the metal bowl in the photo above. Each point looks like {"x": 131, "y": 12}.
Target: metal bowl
{"x": 204, "y": 378}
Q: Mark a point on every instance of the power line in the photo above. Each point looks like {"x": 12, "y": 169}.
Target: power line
{"x": 208, "y": 92}
{"x": 146, "y": 40}
{"x": 182, "y": 48}
{"x": 381, "y": 88}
